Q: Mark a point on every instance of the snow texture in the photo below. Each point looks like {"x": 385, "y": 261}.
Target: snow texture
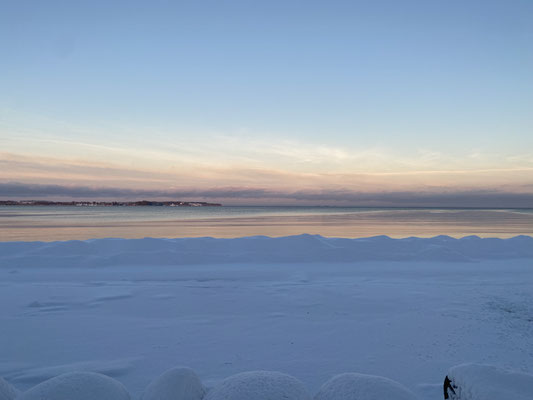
{"x": 178, "y": 383}
{"x": 487, "y": 382}
{"x": 301, "y": 248}
{"x": 7, "y": 391}
{"x": 353, "y": 386}
{"x": 77, "y": 386}
{"x": 309, "y": 306}
{"x": 259, "y": 385}
{"x": 40, "y": 374}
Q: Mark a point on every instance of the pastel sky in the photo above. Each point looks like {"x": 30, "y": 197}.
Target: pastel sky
{"x": 379, "y": 102}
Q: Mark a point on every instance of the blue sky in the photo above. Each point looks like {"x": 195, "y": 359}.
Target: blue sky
{"x": 376, "y": 96}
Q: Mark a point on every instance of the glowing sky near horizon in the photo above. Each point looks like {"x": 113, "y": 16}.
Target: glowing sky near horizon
{"x": 279, "y": 96}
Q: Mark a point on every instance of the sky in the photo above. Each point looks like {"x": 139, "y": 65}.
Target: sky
{"x": 268, "y": 102}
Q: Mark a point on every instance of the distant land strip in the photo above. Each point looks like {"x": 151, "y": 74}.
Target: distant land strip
{"x": 109, "y": 203}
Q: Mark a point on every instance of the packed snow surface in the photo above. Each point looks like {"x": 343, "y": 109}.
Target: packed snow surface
{"x": 259, "y": 249}
{"x": 259, "y": 385}
{"x": 77, "y": 386}
{"x": 487, "y": 382}
{"x": 353, "y": 386}
{"x": 175, "y": 384}
{"x": 7, "y": 391}
{"x": 308, "y": 306}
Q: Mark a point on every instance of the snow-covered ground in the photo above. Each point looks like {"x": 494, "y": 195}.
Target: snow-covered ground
{"x": 488, "y": 382}
{"x": 307, "y": 306}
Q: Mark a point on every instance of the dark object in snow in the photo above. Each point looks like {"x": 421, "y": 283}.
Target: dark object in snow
{"x": 447, "y": 385}
{"x": 488, "y": 382}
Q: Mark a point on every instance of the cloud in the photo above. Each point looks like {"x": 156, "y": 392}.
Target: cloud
{"x": 113, "y": 172}
{"x": 250, "y": 195}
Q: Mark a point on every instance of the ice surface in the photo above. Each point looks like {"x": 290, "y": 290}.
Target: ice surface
{"x": 77, "y": 386}
{"x": 175, "y": 384}
{"x": 487, "y": 382}
{"x": 259, "y": 385}
{"x": 7, "y": 391}
{"x": 353, "y": 386}
{"x": 308, "y": 306}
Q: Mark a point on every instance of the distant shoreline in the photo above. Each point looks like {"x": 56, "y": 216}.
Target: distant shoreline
{"x": 150, "y": 203}
{"x": 142, "y": 203}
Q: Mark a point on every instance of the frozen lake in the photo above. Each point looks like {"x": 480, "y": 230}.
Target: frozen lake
{"x": 64, "y": 223}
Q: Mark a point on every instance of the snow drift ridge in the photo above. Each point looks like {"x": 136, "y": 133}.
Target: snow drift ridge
{"x": 260, "y": 249}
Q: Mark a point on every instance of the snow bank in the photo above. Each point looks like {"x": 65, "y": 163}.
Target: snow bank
{"x": 301, "y": 248}
{"x": 470, "y": 382}
{"x": 33, "y": 375}
{"x": 7, "y": 392}
{"x": 77, "y": 386}
{"x": 487, "y": 382}
{"x": 352, "y": 386}
{"x": 175, "y": 384}
{"x": 259, "y": 385}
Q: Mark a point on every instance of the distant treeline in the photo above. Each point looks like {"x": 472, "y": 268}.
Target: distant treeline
{"x": 108, "y": 203}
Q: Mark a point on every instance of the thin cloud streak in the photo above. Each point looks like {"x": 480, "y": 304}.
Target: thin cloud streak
{"x": 51, "y": 170}
{"x": 238, "y": 195}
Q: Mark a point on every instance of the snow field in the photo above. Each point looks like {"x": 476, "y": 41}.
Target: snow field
{"x": 7, "y": 391}
{"x": 352, "y": 386}
{"x": 77, "y": 386}
{"x": 259, "y": 385}
{"x": 487, "y": 382}
{"x": 471, "y": 382}
{"x": 309, "y": 306}
{"x": 175, "y": 384}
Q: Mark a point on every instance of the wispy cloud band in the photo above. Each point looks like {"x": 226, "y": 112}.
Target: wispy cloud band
{"x": 242, "y": 195}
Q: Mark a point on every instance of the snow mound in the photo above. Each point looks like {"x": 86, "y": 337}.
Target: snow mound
{"x": 487, "y": 382}
{"x": 352, "y": 386}
{"x": 300, "y": 248}
{"x": 259, "y": 385}
{"x": 77, "y": 386}
{"x": 7, "y": 392}
{"x": 175, "y": 384}
{"x": 37, "y": 375}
